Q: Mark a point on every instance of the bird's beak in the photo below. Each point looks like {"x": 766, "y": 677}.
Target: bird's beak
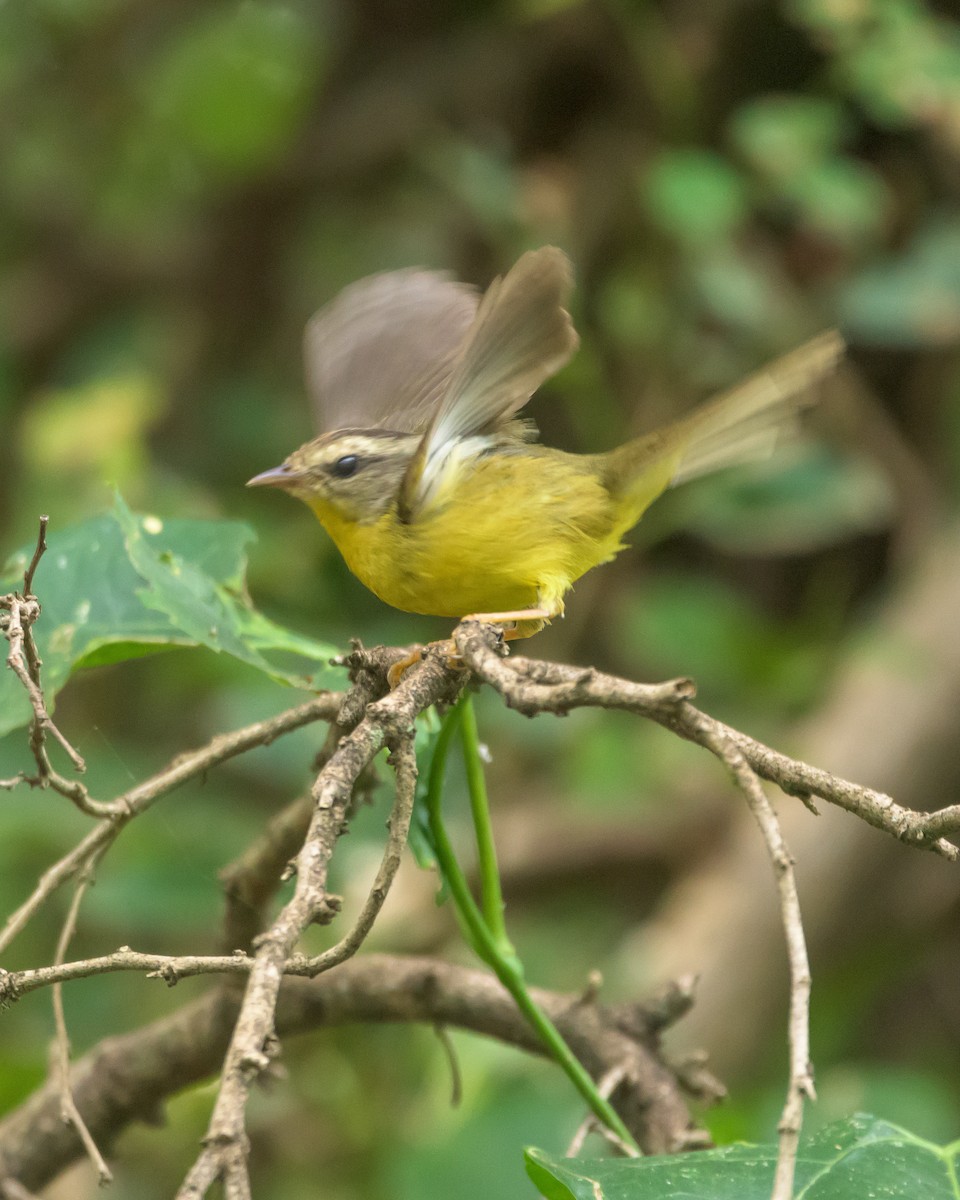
{"x": 280, "y": 477}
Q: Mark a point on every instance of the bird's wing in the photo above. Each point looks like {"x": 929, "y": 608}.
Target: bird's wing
{"x": 521, "y": 335}
{"x": 380, "y": 354}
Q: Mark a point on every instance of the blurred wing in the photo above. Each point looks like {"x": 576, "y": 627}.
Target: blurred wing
{"x": 380, "y": 354}
{"x": 522, "y": 334}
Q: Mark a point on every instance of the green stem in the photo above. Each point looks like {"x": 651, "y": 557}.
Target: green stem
{"x": 491, "y": 897}
{"x": 491, "y": 946}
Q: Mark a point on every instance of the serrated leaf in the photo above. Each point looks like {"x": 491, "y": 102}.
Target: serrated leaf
{"x": 851, "y": 1159}
{"x": 122, "y": 585}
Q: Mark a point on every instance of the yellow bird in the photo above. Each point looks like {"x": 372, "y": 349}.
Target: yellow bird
{"x": 433, "y": 490}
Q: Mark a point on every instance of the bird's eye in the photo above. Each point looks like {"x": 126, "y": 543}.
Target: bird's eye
{"x": 346, "y": 466}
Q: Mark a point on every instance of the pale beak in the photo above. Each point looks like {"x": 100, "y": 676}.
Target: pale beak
{"x": 276, "y": 477}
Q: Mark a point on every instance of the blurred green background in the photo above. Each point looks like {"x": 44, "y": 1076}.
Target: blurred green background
{"x": 181, "y": 185}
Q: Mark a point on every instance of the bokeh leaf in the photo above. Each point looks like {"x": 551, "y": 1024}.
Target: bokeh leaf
{"x": 911, "y": 299}
{"x": 841, "y": 197}
{"x": 782, "y": 135}
{"x": 695, "y": 196}
{"x": 123, "y": 585}
{"x": 803, "y": 499}
{"x": 233, "y": 85}
{"x": 857, "y": 1157}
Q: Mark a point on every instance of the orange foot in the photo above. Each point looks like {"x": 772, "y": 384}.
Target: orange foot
{"x": 396, "y": 673}
{"x": 520, "y": 617}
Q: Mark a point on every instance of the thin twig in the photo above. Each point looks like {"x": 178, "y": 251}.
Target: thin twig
{"x": 23, "y": 660}
{"x": 179, "y": 771}
{"x": 38, "y": 553}
{"x": 606, "y": 1087}
{"x": 404, "y": 762}
{"x": 68, "y": 1108}
{"x": 254, "y": 1045}
{"x": 23, "y": 609}
{"x": 533, "y": 687}
{"x": 800, "y": 1086}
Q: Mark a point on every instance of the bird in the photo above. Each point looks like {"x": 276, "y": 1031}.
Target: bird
{"x": 435, "y": 491}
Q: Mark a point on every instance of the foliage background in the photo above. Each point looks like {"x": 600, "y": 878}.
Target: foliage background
{"x": 182, "y": 185}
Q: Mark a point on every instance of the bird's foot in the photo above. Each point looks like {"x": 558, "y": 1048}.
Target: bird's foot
{"x": 447, "y": 647}
{"x": 519, "y": 623}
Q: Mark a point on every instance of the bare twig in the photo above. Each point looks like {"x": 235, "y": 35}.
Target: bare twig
{"x": 38, "y": 553}
{"x": 606, "y": 1087}
{"x": 386, "y": 722}
{"x": 364, "y": 720}
{"x": 533, "y": 687}
{"x": 254, "y": 877}
{"x": 800, "y": 1086}
{"x": 126, "y": 1078}
{"x": 22, "y": 611}
{"x": 23, "y": 660}
{"x": 138, "y": 799}
{"x": 61, "y": 1052}
{"x": 404, "y": 761}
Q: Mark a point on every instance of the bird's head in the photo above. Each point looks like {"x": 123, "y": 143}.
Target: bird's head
{"x": 356, "y": 473}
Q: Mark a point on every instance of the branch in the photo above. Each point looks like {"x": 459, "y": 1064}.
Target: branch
{"x": 366, "y": 719}
{"x": 138, "y": 799}
{"x": 125, "y": 1079}
{"x": 531, "y": 687}
{"x": 376, "y": 723}
{"x": 800, "y": 1086}
{"x": 21, "y": 610}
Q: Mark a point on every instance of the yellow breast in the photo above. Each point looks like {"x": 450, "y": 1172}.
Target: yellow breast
{"x": 514, "y": 530}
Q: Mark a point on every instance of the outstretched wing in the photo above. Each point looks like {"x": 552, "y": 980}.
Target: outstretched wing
{"x": 381, "y": 353}
{"x": 522, "y": 334}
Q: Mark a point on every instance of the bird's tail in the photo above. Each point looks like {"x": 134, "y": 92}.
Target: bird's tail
{"x": 741, "y": 425}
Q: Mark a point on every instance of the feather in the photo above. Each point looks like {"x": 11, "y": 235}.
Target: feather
{"x": 521, "y": 335}
{"x": 380, "y": 355}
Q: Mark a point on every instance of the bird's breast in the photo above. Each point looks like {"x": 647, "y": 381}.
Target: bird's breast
{"x": 511, "y": 529}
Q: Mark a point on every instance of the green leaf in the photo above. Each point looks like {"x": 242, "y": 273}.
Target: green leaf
{"x": 233, "y": 86}
{"x": 123, "y": 585}
{"x": 849, "y": 1160}
{"x": 841, "y": 197}
{"x": 695, "y": 196}
{"x": 782, "y": 136}
{"x": 912, "y": 299}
